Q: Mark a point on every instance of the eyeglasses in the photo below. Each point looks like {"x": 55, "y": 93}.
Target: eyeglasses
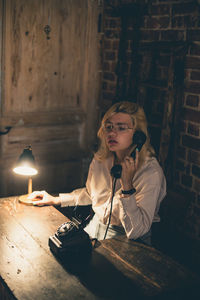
{"x": 117, "y": 128}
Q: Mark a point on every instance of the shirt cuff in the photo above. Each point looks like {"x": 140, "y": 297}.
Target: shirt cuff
{"x": 66, "y": 200}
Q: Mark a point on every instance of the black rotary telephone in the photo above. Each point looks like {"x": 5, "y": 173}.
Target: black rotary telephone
{"x": 70, "y": 240}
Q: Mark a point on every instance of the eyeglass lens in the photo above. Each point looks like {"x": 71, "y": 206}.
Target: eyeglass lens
{"x": 117, "y": 127}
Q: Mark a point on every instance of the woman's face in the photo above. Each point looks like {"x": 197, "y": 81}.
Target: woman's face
{"x": 118, "y": 132}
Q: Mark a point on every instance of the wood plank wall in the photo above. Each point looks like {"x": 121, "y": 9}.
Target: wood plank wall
{"x": 49, "y": 89}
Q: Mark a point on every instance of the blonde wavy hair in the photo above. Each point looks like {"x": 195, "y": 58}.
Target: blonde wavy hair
{"x": 138, "y": 117}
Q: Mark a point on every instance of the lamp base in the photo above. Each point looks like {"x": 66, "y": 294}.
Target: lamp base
{"x": 24, "y": 199}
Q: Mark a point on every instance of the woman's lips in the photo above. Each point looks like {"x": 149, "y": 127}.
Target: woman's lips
{"x": 112, "y": 142}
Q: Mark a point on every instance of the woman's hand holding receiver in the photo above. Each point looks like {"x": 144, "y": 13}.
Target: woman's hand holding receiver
{"x": 41, "y": 198}
{"x": 129, "y": 168}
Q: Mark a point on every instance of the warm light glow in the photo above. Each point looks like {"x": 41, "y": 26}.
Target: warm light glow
{"x": 25, "y": 170}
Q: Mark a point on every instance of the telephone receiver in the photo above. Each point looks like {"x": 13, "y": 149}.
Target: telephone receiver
{"x": 139, "y": 139}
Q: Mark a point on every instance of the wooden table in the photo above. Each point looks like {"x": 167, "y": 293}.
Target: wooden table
{"x": 118, "y": 269}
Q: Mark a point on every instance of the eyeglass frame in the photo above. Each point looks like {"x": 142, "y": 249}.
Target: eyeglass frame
{"x": 113, "y": 127}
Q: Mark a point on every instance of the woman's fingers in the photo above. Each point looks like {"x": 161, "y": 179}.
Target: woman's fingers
{"x": 130, "y": 161}
{"x": 40, "y": 198}
{"x": 41, "y": 203}
{"x": 136, "y": 158}
{"x": 36, "y": 195}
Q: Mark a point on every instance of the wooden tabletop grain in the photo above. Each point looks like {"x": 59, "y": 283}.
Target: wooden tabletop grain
{"x": 117, "y": 269}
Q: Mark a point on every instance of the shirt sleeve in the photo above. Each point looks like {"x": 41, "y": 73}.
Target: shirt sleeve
{"x": 79, "y": 196}
{"x": 137, "y": 211}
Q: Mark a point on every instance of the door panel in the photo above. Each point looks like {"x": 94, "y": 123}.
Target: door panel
{"x": 49, "y": 88}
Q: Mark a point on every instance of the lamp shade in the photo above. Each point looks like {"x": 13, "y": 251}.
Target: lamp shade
{"x": 26, "y": 163}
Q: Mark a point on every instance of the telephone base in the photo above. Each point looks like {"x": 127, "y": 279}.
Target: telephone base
{"x": 79, "y": 244}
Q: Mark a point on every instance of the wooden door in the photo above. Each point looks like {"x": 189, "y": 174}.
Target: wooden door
{"x": 49, "y": 89}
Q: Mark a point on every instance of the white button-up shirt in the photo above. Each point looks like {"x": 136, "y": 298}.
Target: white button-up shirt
{"x": 135, "y": 212}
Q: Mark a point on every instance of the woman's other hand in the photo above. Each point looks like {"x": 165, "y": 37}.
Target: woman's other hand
{"x": 41, "y": 198}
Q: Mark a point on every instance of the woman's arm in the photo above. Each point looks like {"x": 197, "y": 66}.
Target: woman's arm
{"x": 77, "y": 197}
{"x": 138, "y": 210}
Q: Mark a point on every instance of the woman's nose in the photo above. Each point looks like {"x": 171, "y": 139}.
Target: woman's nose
{"x": 113, "y": 132}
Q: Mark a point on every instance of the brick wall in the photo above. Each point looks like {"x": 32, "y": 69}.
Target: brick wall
{"x": 163, "y": 21}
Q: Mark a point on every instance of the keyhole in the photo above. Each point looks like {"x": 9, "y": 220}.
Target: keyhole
{"x": 47, "y": 30}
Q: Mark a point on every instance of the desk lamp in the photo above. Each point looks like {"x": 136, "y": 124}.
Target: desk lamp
{"x": 26, "y": 166}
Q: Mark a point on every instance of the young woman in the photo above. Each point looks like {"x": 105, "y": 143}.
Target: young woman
{"x": 139, "y": 191}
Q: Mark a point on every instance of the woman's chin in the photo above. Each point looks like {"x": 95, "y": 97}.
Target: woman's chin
{"x": 112, "y": 148}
